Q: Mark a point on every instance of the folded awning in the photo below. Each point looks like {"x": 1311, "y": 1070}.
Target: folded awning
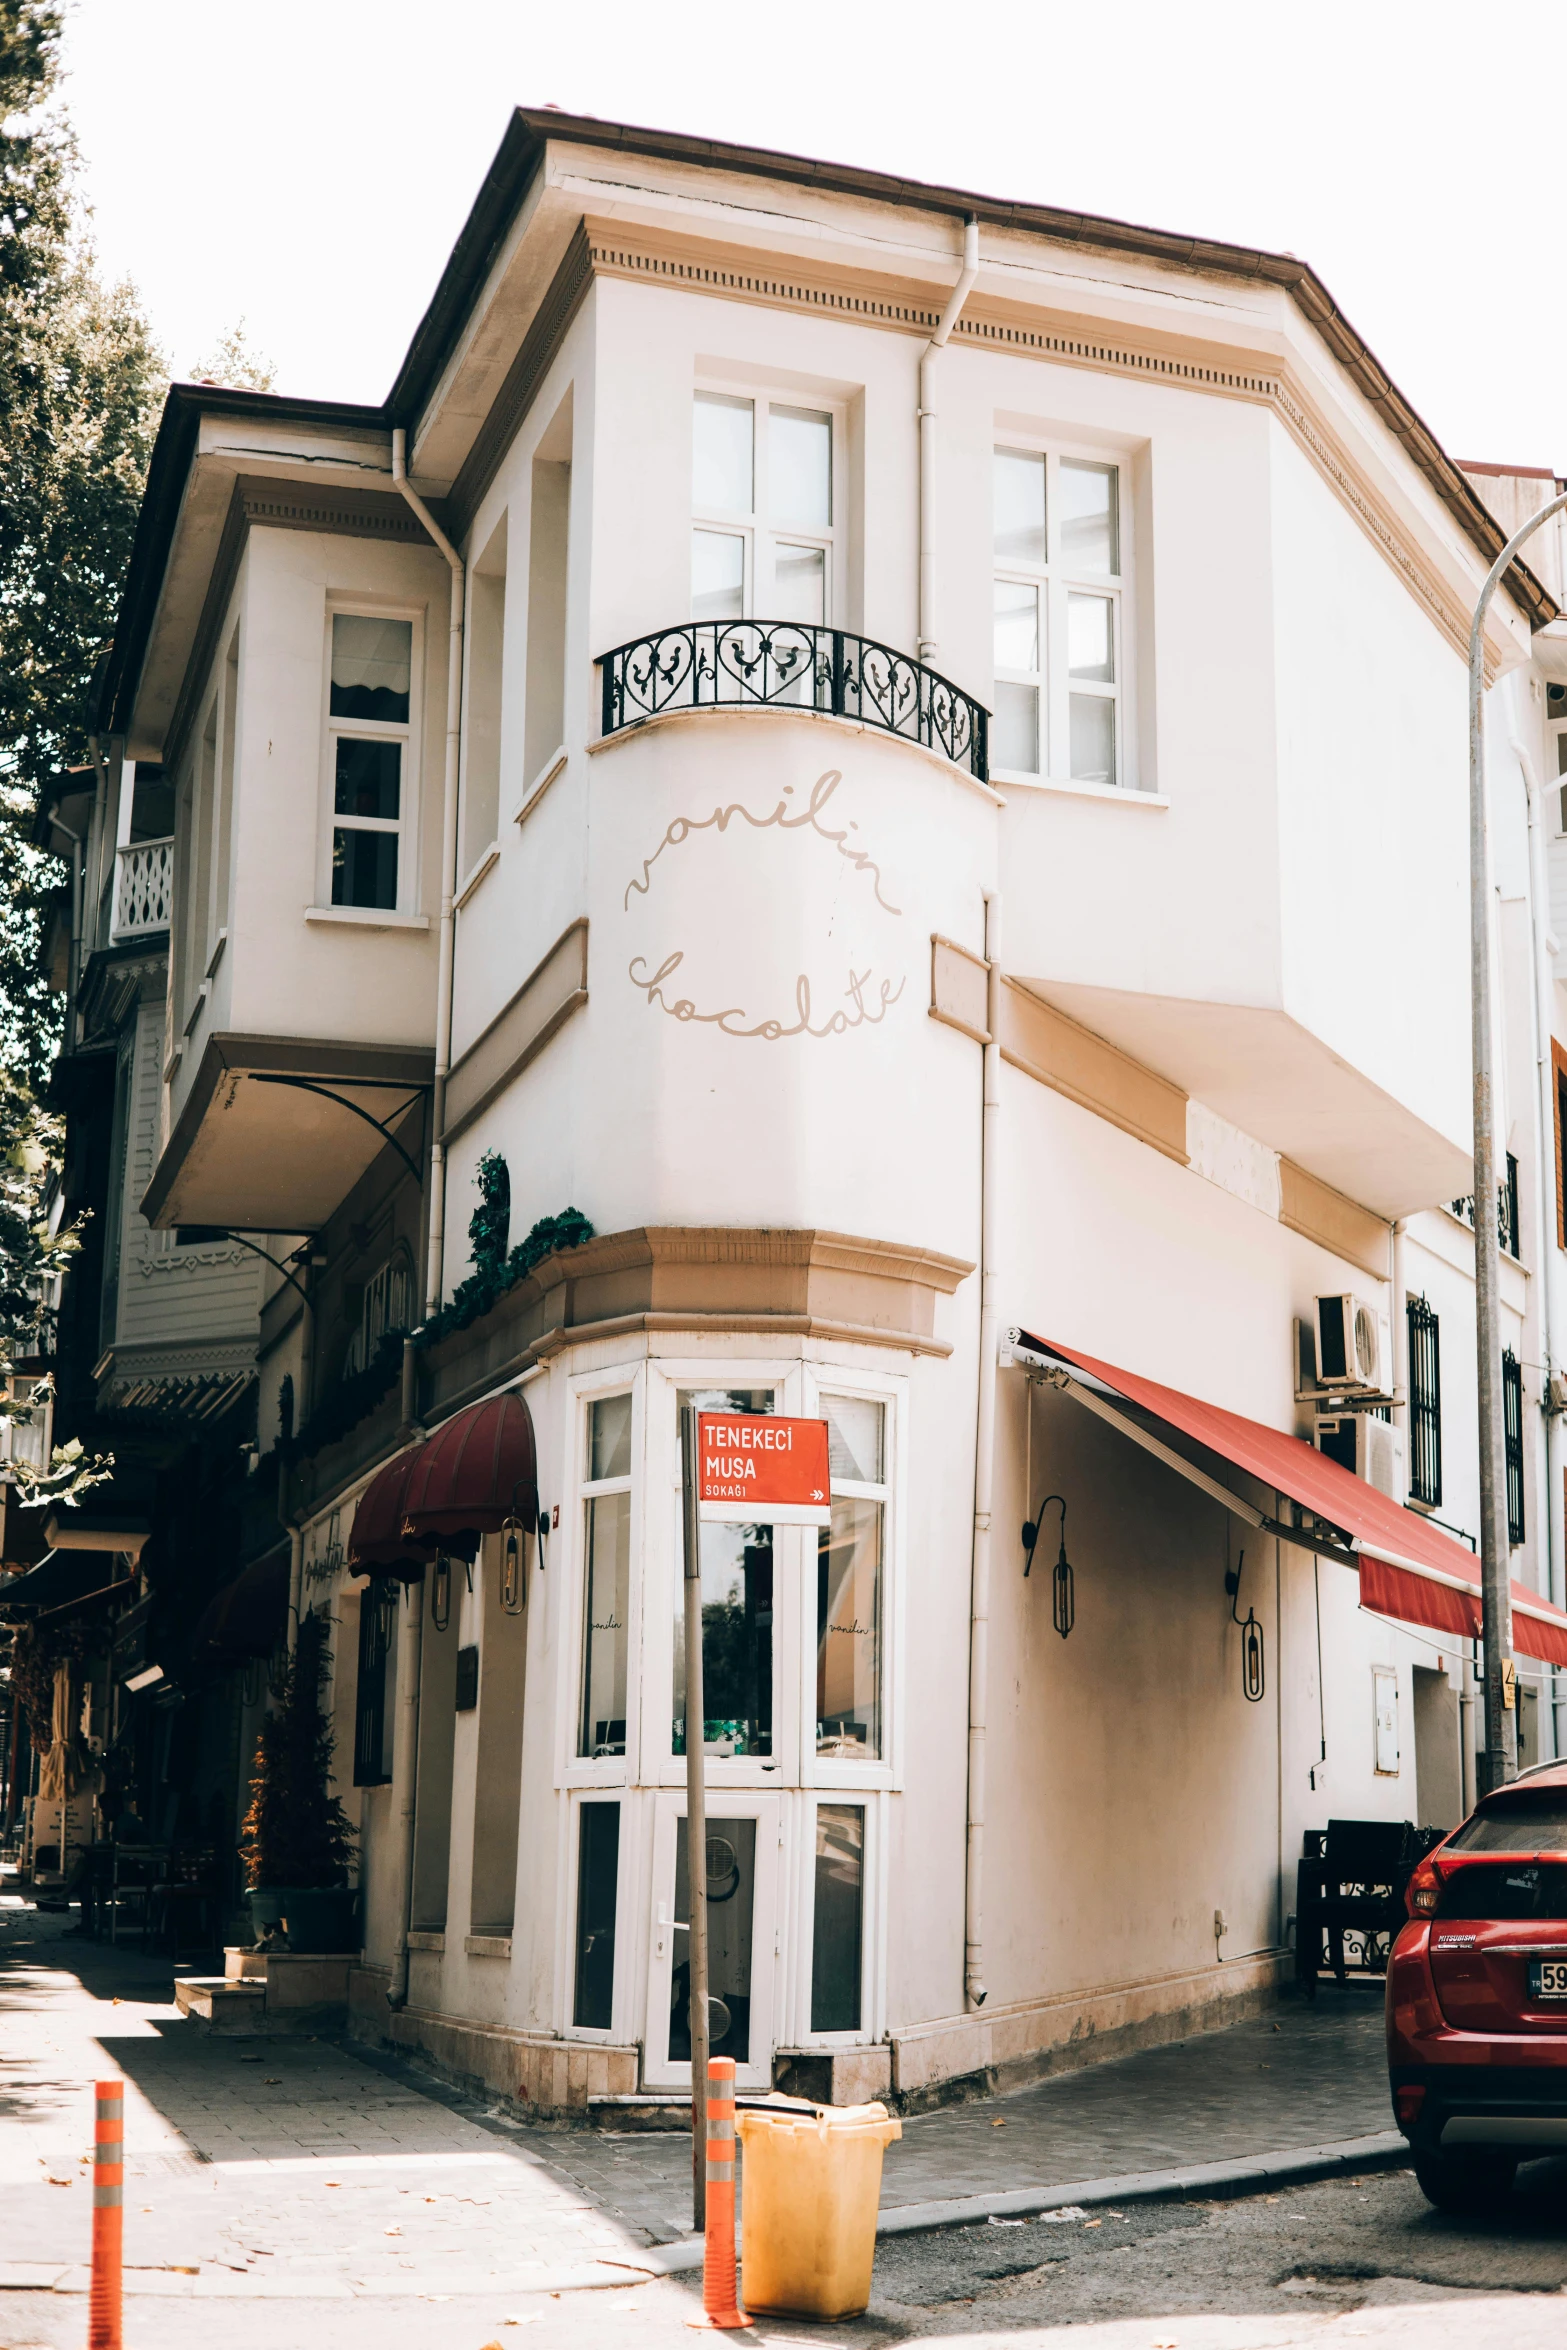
{"x": 472, "y": 1477}
{"x": 1409, "y": 1569}
{"x": 376, "y": 1542}
{"x": 248, "y": 1617}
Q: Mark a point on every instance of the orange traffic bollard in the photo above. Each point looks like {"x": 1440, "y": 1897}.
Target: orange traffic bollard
{"x": 719, "y": 2306}
{"x": 108, "y": 2218}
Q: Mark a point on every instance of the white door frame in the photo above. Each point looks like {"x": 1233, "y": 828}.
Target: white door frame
{"x": 660, "y": 2070}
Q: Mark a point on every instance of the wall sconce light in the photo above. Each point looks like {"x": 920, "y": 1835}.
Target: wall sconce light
{"x": 544, "y": 1527}
{"x": 1254, "y": 1679}
{"x": 1063, "y": 1595}
{"x": 514, "y": 1582}
{"x": 441, "y": 1594}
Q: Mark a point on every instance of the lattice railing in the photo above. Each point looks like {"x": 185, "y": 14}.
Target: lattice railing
{"x": 143, "y": 886}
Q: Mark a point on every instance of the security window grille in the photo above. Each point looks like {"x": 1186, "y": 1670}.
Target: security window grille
{"x": 377, "y": 1620}
{"x": 1425, "y": 1405}
{"x": 1512, "y": 1444}
{"x": 1507, "y": 1209}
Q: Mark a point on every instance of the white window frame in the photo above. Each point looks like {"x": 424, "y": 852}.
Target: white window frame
{"x": 840, "y": 1773}
{"x": 1054, "y": 582}
{"x": 873, "y": 1914}
{"x": 611, "y": 1770}
{"x": 409, "y": 734}
{"x": 759, "y": 532}
{"x": 660, "y": 1766}
{"x": 596, "y": 2035}
{"x": 1555, "y": 736}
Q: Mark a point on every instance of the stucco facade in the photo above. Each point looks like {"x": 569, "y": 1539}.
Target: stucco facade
{"x": 716, "y": 978}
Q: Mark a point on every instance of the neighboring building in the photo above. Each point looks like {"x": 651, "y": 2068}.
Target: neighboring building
{"x": 1142, "y": 606}
{"x": 155, "y": 1370}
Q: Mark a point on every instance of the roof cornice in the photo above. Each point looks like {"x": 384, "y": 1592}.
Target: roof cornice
{"x": 521, "y": 154}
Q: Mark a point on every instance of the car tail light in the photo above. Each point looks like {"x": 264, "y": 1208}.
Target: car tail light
{"x": 1407, "y": 2105}
{"x": 1424, "y": 1890}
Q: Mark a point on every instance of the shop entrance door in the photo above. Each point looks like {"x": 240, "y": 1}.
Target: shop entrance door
{"x": 742, "y": 1882}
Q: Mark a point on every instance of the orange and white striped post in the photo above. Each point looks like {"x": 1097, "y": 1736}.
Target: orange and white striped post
{"x": 104, "y": 2323}
{"x": 719, "y": 2306}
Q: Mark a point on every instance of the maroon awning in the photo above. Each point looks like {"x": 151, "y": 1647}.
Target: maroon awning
{"x": 377, "y": 1546}
{"x": 248, "y": 1617}
{"x": 471, "y": 1476}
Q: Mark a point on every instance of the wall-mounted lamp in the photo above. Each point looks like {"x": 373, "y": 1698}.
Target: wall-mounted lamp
{"x": 441, "y": 1594}
{"x": 1063, "y": 1595}
{"x": 514, "y": 1582}
{"x": 544, "y": 1527}
{"x": 1254, "y": 1678}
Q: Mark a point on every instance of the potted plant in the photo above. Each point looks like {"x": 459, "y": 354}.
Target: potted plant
{"x": 297, "y": 1840}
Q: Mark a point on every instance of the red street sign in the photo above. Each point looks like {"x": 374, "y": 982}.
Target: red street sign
{"x": 754, "y": 1466}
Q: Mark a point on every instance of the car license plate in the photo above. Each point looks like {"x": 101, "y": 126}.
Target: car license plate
{"x": 1548, "y": 1978}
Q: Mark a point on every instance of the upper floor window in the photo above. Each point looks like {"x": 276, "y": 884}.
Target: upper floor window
{"x": 369, "y": 747}
{"x": 1425, "y": 1404}
{"x": 384, "y": 1307}
{"x": 763, "y": 506}
{"x": 1057, "y": 617}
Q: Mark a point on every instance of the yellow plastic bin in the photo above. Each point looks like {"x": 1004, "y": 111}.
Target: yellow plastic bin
{"x": 810, "y": 2185}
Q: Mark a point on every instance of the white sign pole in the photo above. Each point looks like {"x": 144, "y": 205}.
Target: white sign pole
{"x": 696, "y": 1812}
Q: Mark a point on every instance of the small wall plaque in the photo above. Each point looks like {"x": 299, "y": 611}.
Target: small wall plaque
{"x": 467, "y": 1679}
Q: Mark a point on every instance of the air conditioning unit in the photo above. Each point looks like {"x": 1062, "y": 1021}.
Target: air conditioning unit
{"x": 1368, "y": 1447}
{"x": 1354, "y": 1350}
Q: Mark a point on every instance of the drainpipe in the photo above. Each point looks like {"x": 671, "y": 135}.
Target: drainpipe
{"x": 100, "y": 826}
{"x": 984, "y": 1466}
{"x": 436, "y": 1241}
{"x": 1545, "y": 1177}
{"x": 927, "y": 419}
{"x": 405, "y": 1780}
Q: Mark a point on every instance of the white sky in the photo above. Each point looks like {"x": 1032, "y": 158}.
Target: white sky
{"x": 307, "y": 163}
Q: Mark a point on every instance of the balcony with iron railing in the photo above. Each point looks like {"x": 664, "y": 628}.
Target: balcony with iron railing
{"x": 788, "y": 665}
{"x": 1508, "y": 1227}
{"x": 143, "y": 887}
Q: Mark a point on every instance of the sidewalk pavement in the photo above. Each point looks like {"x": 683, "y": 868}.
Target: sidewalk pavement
{"x": 314, "y": 2173}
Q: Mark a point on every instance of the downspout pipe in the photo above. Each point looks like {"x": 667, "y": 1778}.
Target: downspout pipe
{"x": 984, "y": 1466}
{"x": 928, "y": 646}
{"x": 435, "y": 1277}
{"x": 1545, "y": 1179}
{"x": 405, "y": 1779}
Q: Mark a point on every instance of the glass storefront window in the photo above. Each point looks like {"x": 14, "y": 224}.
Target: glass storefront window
{"x": 737, "y": 1617}
{"x": 837, "y": 1928}
{"x": 849, "y": 1583}
{"x": 607, "y": 1581}
{"x": 598, "y": 1867}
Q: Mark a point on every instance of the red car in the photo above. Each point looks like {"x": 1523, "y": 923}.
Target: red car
{"x": 1477, "y": 1996}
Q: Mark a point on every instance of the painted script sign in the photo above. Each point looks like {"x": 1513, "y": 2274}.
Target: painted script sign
{"x": 753, "y": 1466}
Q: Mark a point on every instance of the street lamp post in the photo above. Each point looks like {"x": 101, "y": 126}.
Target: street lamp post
{"x": 1496, "y": 1619}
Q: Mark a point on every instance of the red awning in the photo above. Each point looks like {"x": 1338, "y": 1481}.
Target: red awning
{"x": 471, "y": 1476}
{"x": 248, "y": 1617}
{"x": 376, "y": 1544}
{"x": 1409, "y": 1569}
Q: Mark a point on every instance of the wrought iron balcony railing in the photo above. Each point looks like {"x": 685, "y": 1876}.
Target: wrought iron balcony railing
{"x": 783, "y": 664}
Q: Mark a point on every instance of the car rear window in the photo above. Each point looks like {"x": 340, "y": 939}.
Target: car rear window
{"x": 1505, "y": 1889}
{"x": 1535, "y": 1822}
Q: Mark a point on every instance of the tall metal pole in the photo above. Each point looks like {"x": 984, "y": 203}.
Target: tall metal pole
{"x": 696, "y": 1813}
{"x": 1501, "y": 1724}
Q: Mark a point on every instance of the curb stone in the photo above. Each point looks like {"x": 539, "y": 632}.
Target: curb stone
{"x": 1248, "y": 2174}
